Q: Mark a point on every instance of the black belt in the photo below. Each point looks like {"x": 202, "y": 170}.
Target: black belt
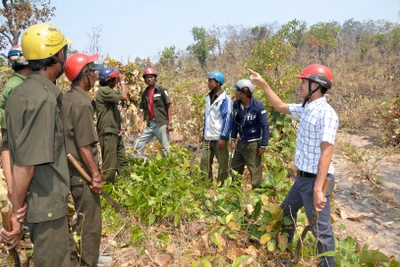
{"x": 305, "y": 174}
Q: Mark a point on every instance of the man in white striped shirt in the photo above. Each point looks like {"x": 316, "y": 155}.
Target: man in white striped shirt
{"x": 314, "y": 149}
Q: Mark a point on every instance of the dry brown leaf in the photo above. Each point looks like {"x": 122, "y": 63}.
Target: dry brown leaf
{"x": 205, "y": 239}
{"x": 249, "y": 209}
{"x": 233, "y": 225}
{"x": 163, "y": 260}
{"x": 282, "y": 239}
{"x": 343, "y": 215}
{"x": 251, "y": 250}
{"x": 357, "y": 218}
{"x": 221, "y": 242}
{"x": 233, "y": 253}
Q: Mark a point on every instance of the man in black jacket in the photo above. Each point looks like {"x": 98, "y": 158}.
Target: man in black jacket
{"x": 250, "y": 121}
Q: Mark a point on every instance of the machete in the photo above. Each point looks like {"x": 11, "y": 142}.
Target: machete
{"x": 112, "y": 202}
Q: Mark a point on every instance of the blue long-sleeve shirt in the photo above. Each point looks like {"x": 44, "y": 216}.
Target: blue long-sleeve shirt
{"x": 250, "y": 122}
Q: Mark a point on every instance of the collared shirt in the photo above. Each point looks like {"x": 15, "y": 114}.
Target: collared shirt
{"x": 318, "y": 123}
{"x": 35, "y": 135}
{"x": 161, "y": 100}
{"x": 77, "y": 115}
{"x": 108, "y": 115}
{"x": 15, "y": 80}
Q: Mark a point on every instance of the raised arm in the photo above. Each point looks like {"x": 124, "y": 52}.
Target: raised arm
{"x": 124, "y": 95}
{"x": 273, "y": 99}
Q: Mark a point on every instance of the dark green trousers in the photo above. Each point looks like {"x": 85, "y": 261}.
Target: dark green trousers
{"x": 247, "y": 154}
{"x": 210, "y": 149}
{"x": 54, "y": 243}
{"x": 88, "y": 225}
{"x": 113, "y": 156}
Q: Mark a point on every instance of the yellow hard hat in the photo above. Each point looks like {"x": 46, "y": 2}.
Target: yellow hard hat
{"x": 42, "y": 41}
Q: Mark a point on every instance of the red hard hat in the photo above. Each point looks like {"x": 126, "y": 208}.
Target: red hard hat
{"x": 317, "y": 73}
{"x": 75, "y": 64}
{"x": 149, "y": 71}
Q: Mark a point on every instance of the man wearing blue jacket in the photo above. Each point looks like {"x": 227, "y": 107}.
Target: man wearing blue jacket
{"x": 250, "y": 121}
{"x": 217, "y": 127}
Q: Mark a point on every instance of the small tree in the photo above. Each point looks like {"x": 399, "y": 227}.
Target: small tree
{"x": 18, "y": 15}
{"x": 322, "y": 37}
{"x": 200, "y": 48}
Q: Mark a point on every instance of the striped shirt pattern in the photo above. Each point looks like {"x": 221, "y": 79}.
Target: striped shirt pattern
{"x": 318, "y": 123}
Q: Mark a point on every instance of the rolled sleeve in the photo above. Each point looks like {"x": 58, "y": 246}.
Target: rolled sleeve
{"x": 329, "y": 125}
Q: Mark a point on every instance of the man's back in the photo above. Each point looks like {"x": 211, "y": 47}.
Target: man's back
{"x": 108, "y": 115}
{"x": 36, "y": 139}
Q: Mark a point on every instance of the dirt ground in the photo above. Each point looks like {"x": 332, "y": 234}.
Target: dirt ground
{"x": 367, "y": 196}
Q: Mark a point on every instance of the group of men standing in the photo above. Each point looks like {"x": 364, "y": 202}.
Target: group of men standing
{"x": 42, "y": 126}
{"x": 247, "y": 117}
{"x": 224, "y": 121}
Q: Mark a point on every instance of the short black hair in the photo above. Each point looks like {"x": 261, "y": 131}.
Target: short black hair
{"x": 323, "y": 90}
{"x": 78, "y": 78}
{"x": 104, "y": 83}
{"x": 20, "y": 67}
{"x": 36, "y": 65}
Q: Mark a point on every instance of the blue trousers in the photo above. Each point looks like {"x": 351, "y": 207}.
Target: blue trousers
{"x": 301, "y": 194}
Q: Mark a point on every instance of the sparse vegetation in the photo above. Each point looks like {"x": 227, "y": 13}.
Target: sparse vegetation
{"x": 177, "y": 219}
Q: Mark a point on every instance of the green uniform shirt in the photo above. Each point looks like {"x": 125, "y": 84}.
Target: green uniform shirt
{"x": 160, "y": 101}
{"x": 108, "y": 115}
{"x": 35, "y": 137}
{"x": 15, "y": 80}
{"x": 77, "y": 115}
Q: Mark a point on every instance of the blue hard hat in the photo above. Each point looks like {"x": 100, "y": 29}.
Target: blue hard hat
{"x": 216, "y": 75}
{"x": 108, "y": 73}
{"x": 16, "y": 58}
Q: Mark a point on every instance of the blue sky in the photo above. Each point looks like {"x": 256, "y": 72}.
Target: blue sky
{"x": 143, "y": 28}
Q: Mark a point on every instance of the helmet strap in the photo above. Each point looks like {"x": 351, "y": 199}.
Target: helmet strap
{"x": 65, "y": 50}
{"x": 87, "y": 75}
{"x": 310, "y": 92}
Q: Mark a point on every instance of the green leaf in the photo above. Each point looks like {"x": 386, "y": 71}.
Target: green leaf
{"x": 373, "y": 256}
{"x": 177, "y": 220}
{"x": 152, "y": 219}
{"x": 327, "y": 254}
{"x": 257, "y": 210}
{"x": 206, "y": 262}
{"x": 240, "y": 260}
{"x": 165, "y": 237}
{"x": 271, "y": 245}
{"x": 394, "y": 263}
{"x": 137, "y": 235}
{"x": 221, "y": 220}
{"x": 287, "y": 221}
{"x": 275, "y": 133}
